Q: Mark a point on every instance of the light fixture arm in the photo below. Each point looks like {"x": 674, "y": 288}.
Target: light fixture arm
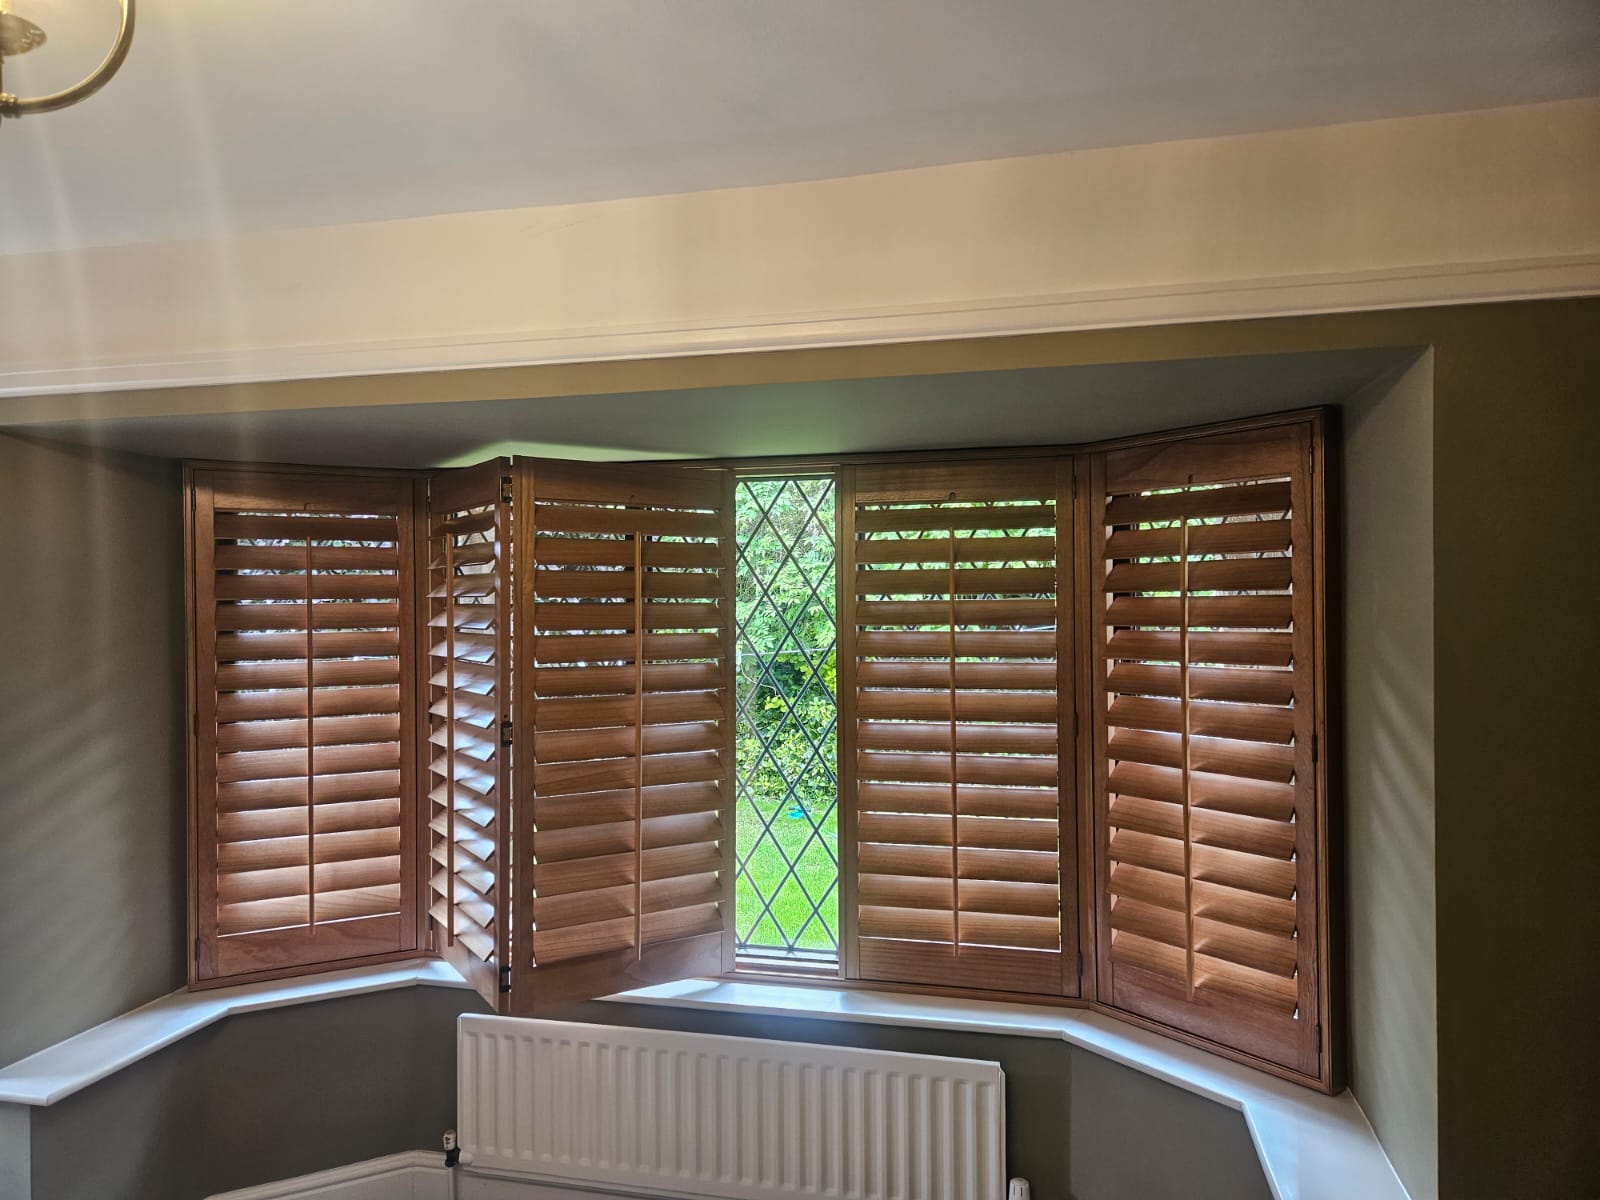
{"x": 18, "y": 106}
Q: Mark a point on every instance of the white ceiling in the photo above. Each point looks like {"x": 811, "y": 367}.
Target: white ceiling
{"x": 250, "y": 114}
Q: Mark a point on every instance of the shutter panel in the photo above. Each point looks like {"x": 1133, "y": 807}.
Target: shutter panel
{"x": 958, "y": 748}
{"x": 1210, "y": 840}
{"x": 624, "y": 682}
{"x": 303, "y": 734}
{"x": 469, "y": 709}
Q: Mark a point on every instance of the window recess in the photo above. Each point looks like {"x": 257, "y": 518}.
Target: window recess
{"x": 1074, "y": 751}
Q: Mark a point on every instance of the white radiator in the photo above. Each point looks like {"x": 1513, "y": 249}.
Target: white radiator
{"x": 682, "y": 1114}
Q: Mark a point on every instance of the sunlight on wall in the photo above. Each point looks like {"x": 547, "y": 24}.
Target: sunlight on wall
{"x": 1389, "y": 755}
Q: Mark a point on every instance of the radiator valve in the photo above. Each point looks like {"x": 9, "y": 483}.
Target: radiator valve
{"x": 452, "y": 1148}
{"x": 1018, "y": 1189}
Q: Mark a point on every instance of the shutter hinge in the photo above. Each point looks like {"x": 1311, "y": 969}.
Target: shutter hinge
{"x": 197, "y": 949}
{"x": 1315, "y": 749}
{"x": 505, "y": 979}
{"x": 505, "y": 489}
{"x": 1080, "y": 967}
{"x": 505, "y": 732}
{"x": 1319, "y": 1037}
{"x": 1074, "y": 724}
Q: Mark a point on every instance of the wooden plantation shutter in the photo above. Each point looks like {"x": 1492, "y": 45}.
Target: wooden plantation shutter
{"x": 957, "y": 688}
{"x": 468, "y": 648}
{"x": 302, "y": 825}
{"x": 624, "y": 700}
{"x": 1211, "y": 842}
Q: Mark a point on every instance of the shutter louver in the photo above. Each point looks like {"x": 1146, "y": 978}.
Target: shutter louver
{"x": 302, "y": 597}
{"x": 957, "y": 625}
{"x": 469, "y": 704}
{"x": 1205, "y": 713}
{"x": 624, "y": 682}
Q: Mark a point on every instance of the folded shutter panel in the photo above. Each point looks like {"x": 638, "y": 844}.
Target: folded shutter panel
{"x": 958, "y": 750}
{"x": 624, "y": 784}
{"x": 469, "y": 704}
{"x": 1205, "y": 552}
{"x": 302, "y": 594}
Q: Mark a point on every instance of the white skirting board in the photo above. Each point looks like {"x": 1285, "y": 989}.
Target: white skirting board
{"x": 415, "y": 1175}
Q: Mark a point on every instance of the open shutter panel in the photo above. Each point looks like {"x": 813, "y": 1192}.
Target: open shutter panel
{"x": 958, "y": 752}
{"x": 303, "y": 720}
{"x": 624, "y": 682}
{"x": 469, "y": 710}
{"x": 1205, "y": 551}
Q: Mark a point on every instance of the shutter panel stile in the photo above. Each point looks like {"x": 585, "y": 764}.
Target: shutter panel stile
{"x": 1206, "y": 706}
{"x": 624, "y": 778}
{"x": 954, "y": 626}
{"x": 469, "y": 698}
{"x": 302, "y": 668}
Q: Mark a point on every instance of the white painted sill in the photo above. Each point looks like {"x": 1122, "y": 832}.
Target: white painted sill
{"x": 58, "y": 1071}
{"x": 1311, "y": 1147}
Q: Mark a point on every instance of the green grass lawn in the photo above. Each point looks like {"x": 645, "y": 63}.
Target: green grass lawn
{"x": 791, "y": 920}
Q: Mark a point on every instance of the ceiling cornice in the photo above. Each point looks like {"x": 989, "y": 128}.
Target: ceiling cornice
{"x": 1471, "y": 207}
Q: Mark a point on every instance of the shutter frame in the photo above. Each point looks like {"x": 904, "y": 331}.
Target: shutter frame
{"x": 225, "y": 720}
{"x": 475, "y": 489}
{"x": 898, "y": 944}
{"x": 1289, "y": 447}
{"x": 557, "y": 503}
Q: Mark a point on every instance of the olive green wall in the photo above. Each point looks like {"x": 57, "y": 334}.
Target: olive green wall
{"x": 258, "y": 1098}
{"x": 91, "y": 742}
{"x": 1516, "y": 497}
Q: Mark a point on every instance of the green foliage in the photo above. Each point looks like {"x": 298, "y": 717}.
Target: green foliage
{"x": 787, "y": 834}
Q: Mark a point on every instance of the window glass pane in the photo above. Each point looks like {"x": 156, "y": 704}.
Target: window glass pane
{"x": 788, "y": 788}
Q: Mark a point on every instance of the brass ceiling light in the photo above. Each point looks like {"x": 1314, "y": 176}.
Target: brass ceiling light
{"x": 18, "y": 36}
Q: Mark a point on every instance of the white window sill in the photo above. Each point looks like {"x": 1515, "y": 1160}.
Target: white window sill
{"x": 58, "y": 1071}
{"x": 1312, "y": 1147}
